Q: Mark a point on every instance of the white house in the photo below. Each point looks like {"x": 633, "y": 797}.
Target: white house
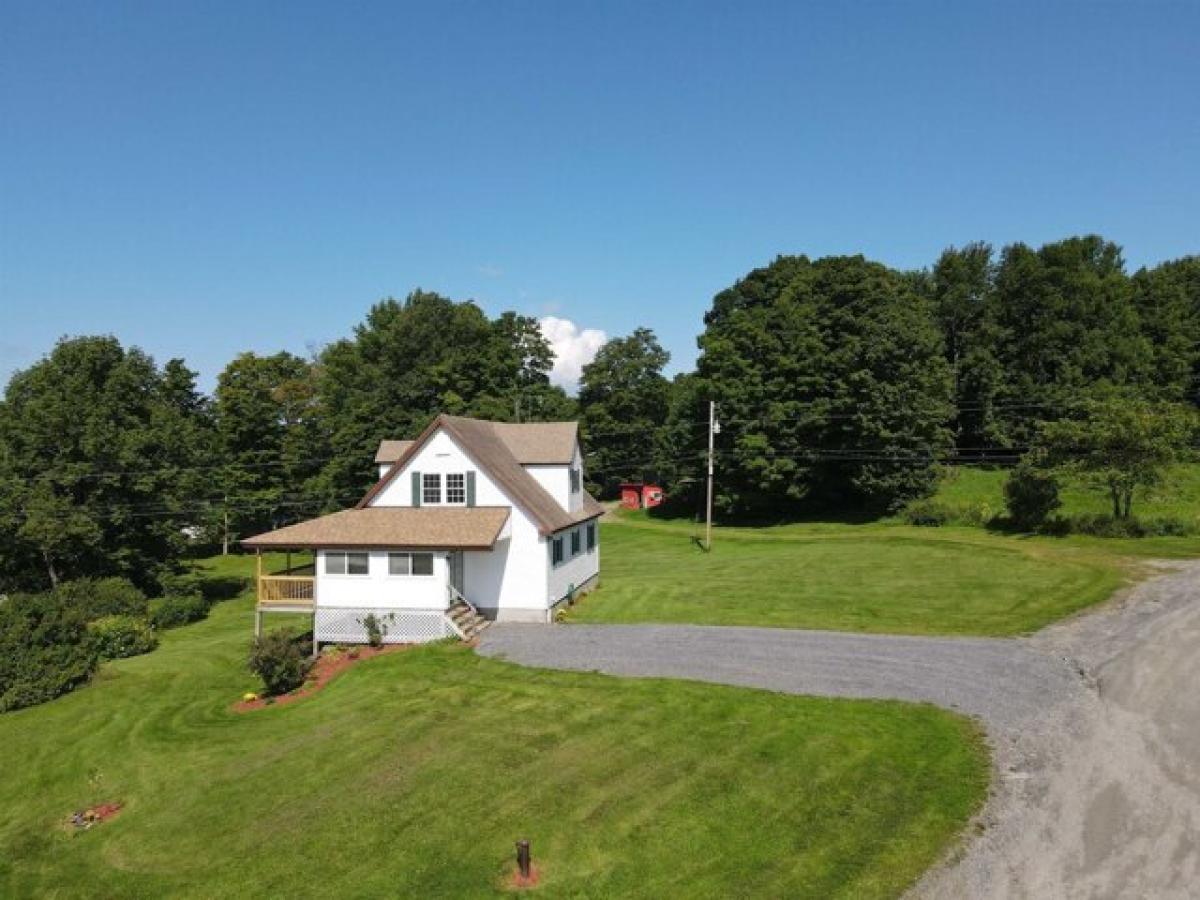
{"x": 472, "y": 521}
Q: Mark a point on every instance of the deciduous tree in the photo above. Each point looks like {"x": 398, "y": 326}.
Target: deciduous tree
{"x": 832, "y": 384}
{"x": 1120, "y": 445}
{"x": 625, "y": 399}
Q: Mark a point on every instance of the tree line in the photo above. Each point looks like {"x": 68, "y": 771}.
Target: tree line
{"x": 840, "y": 382}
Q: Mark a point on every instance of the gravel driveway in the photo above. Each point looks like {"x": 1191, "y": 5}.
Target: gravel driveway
{"x": 1094, "y": 725}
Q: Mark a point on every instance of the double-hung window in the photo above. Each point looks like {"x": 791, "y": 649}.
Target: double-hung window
{"x": 556, "y": 551}
{"x": 456, "y": 487}
{"x": 410, "y": 563}
{"x": 576, "y": 480}
{"x": 355, "y": 563}
{"x": 431, "y": 488}
{"x": 575, "y": 542}
{"x": 591, "y": 536}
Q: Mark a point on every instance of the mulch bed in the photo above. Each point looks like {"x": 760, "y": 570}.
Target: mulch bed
{"x": 92, "y": 816}
{"x": 516, "y": 882}
{"x": 327, "y": 667}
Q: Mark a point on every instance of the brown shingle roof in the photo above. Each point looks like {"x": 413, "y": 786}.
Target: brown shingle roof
{"x": 487, "y": 443}
{"x": 474, "y": 528}
{"x": 530, "y": 443}
{"x": 390, "y": 451}
{"x": 539, "y": 443}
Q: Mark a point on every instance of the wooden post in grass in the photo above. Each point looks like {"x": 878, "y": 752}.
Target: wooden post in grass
{"x": 258, "y": 563}
{"x": 523, "y": 858}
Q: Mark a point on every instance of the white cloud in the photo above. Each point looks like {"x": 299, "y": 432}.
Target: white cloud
{"x": 573, "y": 348}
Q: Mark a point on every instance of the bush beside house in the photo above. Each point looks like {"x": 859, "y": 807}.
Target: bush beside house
{"x": 280, "y": 660}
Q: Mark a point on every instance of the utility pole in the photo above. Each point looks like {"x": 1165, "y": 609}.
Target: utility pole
{"x": 713, "y": 428}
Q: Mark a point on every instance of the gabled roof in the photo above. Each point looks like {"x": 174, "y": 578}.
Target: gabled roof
{"x": 389, "y": 451}
{"x": 539, "y": 443}
{"x": 433, "y": 527}
{"x": 530, "y": 443}
{"x": 488, "y": 444}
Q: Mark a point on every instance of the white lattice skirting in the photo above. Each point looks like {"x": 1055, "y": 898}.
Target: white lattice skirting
{"x": 343, "y": 625}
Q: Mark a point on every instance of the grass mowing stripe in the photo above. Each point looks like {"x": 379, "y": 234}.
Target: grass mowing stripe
{"x": 413, "y": 773}
{"x": 886, "y": 579}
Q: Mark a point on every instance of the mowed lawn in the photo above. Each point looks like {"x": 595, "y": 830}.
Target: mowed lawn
{"x": 876, "y": 578}
{"x": 411, "y": 775}
{"x": 979, "y": 493}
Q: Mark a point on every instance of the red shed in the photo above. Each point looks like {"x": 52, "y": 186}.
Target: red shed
{"x": 639, "y": 496}
{"x": 652, "y": 495}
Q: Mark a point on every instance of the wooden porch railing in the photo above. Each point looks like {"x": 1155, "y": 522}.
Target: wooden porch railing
{"x": 285, "y": 590}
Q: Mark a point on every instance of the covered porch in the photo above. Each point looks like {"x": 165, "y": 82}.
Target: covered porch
{"x": 290, "y": 590}
{"x": 395, "y": 569}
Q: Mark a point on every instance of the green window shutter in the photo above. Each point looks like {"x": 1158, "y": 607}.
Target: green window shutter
{"x": 470, "y": 489}
{"x": 416, "y": 481}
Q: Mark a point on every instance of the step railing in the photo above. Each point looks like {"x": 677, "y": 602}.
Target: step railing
{"x": 454, "y": 597}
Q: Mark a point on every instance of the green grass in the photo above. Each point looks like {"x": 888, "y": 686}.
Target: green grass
{"x": 413, "y": 774}
{"x": 980, "y": 493}
{"x": 883, "y": 577}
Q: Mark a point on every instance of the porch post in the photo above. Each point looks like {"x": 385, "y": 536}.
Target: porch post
{"x": 257, "y": 622}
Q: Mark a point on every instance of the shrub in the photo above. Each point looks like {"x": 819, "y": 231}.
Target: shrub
{"x": 376, "y": 630}
{"x": 174, "y": 584}
{"x": 926, "y": 513}
{"x": 1169, "y": 526}
{"x": 178, "y": 609}
{"x": 213, "y": 587}
{"x": 116, "y": 637}
{"x": 279, "y": 660}
{"x": 1106, "y": 526}
{"x": 99, "y": 597}
{"x": 44, "y": 649}
{"x": 1031, "y": 496}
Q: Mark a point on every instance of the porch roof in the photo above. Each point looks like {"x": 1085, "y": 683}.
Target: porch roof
{"x": 378, "y": 527}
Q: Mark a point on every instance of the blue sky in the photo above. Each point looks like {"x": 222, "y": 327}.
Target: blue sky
{"x": 200, "y": 179}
